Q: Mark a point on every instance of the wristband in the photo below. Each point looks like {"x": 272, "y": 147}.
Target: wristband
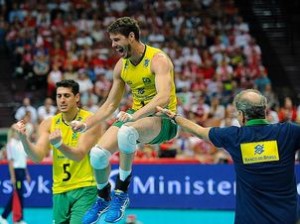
{"x": 58, "y": 144}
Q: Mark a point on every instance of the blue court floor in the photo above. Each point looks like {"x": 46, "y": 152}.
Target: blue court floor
{"x": 145, "y": 216}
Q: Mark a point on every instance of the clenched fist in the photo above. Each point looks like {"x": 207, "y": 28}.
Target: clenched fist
{"x": 20, "y": 128}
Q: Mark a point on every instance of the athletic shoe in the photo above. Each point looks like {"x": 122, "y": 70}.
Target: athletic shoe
{"x": 94, "y": 213}
{"x": 119, "y": 202}
{"x": 3, "y": 220}
{"x": 20, "y": 222}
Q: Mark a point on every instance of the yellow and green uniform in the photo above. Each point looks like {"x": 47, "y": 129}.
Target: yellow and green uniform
{"x": 74, "y": 186}
{"x": 69, "y": 174}
{"x": 141, "y": 81}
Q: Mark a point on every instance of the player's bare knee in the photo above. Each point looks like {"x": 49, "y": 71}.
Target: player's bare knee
{"x": 99, "y": 158}
{"x": 127, "y": 139}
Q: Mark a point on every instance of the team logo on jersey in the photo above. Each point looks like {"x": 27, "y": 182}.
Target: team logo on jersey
{"x": 146, "y": 63}
{"x": 146, "y": 80}
{"x": 74, "y": 135}
{"x": 259, "y": 149}
{"x": 258, "y": 152}
{"x": 141, "y": 90}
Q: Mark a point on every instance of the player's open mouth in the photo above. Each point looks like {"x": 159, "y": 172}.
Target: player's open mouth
{"x": 120, "y": 50}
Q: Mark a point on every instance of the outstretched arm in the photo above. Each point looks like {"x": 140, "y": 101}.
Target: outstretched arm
{"x": 188, "y": 125}
{"x": 86, "y": 141}
{"x": 110, "y": 105}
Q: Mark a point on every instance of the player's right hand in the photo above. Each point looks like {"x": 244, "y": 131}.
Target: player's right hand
{"x": 165, "y": 111}
{"x": 20, "y": 128}
{"x": 78, "y": 126}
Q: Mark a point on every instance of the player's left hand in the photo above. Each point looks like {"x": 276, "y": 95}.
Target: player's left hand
{"x": 124, "y": 117}
{"x": 78, "y": 126}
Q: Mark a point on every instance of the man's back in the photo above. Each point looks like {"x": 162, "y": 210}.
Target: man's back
{"x": 264, "y": 158}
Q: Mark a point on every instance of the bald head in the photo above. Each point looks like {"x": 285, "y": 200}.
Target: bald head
{"x": 253, "y": 96}
{"x": 252, "y": 103}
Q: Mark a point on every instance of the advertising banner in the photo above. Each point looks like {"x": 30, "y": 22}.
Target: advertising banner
{"x": 172, "y": 186}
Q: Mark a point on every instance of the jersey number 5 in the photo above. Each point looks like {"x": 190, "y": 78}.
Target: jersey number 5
{"x": 68, "y": 174}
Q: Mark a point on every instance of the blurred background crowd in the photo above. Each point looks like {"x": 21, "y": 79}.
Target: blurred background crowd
{"x": 209, "y": 42}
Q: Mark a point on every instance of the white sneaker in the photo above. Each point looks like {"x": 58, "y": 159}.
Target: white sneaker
{"x": 21, "y": 222}
{"x": 3, "y": 221}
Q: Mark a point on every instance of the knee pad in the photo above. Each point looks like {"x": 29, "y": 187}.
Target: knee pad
{"x": 127, "y": 137}
{"x": 99, "y": 158}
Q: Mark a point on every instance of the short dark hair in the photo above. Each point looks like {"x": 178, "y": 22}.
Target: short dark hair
{"x": 250, "y": 108}
{"x": 124, "y": 26}
{"x": 68, "y": 83}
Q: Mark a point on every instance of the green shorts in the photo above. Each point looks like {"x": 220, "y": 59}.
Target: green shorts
{"x": 69, "y": 207}
{"x": 167, "y": 132}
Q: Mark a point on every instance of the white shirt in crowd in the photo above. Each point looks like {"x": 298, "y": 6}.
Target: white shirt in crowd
{"x": 21, "y": 111}
{"x": 44, "y": 113}
{"x": 16, "y": 153}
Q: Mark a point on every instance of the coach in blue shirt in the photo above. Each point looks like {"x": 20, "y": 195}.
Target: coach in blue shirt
{"x": 264, "y": 158}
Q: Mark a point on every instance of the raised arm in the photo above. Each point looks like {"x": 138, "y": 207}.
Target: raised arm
{"x": 41, "y": 148}
{"x": 110, "y": 105}
{"x": 188, "y": 125}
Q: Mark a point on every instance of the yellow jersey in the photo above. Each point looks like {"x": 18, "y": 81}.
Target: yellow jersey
{"x": 69, "y": 174}
{"x": 142, "y": 81}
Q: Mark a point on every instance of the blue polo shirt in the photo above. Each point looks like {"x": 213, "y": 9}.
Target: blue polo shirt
{"x": 264, "y": 158}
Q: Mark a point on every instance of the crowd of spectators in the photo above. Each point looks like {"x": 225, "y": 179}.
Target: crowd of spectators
{"x": 213, "y": 51}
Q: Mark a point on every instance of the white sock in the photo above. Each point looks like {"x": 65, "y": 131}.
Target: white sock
{"x": 101, "y": 186}
{"x": 124, "y": 174}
